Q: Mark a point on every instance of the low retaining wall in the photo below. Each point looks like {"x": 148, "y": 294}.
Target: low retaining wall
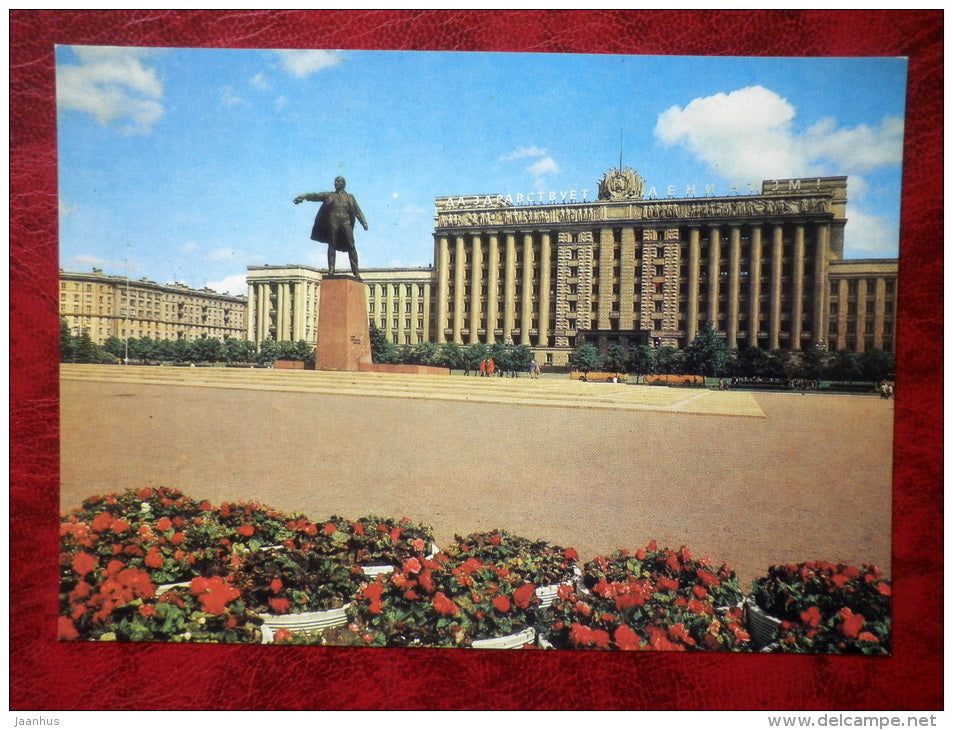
{"x": 375, "y": 367}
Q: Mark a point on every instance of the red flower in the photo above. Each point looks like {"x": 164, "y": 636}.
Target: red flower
{"x": 867, "y": 636}
{"x": 358, "y": 528}
{"x": 626, "y": 639}
{"x": 330, "y": 528}
{"x": 495, "y": 539}
{"x": 679, "y": 633}
{"x": 102, "y": 521}
{"x": 145, "y": 493}
{"x": 840, "y": 580}
{"x": 146, "y": 610}
{"x": 246, "y": 530}
{"x": 374, "y": 590}
{"x": 278, "y": 605}
{"x": 673, "y": 563}
{"x": 418, "y": 545}
{"x": 699, "y": 592}
{"x": 883, "y": 589}
{"x": 444, "y": 606}
{"x": 570, "y": 554}
{"x": 600, "y": 639}
{"x": 583, "y": 608}
{"x": 164, "y": 524}
{"x": 523, "y": 595}
{"x": 283, "y": 635}
{"x": 667, "y": 584}
{"x": 853, "y": 622}
{"x": 580, "y": 635}
{"x": 412, "y": 565}
{"x": 426, "y": 581}
{"x": 502, "y": 604}
{"x": 65, "y": 629}
{"x": 83, "y": 563}
{"x": 177, "y": 538}
{"x": 119, "y": 526}
{"x": 277, "y": 585}
{"x": 812, "y": 617}
{"x": 153, "y": 559}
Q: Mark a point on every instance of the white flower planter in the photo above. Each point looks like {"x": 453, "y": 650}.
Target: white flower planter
{"x": 513, "y": 641}
{"x": 372, "y": 571}
{"x": 309, "y": 621}
{"x": 547, "y": 594}
{"x": 762, "y": 626}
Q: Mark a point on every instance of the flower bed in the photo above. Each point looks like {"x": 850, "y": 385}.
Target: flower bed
{"x": 156, "y": 565}
{"x": 652, "y": 599}
{"x": 535, "y": 561}
{"x": 444, "y": 602}
{"x": 827, "y": 608}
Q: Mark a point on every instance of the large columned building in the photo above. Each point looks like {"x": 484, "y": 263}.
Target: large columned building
{"x": 764, "y": 270}
{"x": 283, "y": 303}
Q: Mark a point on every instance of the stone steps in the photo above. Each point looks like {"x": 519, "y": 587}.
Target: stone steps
{"x": 524, "y": 390}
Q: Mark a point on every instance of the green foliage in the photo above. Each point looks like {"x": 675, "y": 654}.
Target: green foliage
{"x": 585, "y": 358}
{"x": 827, "y": 607}
{"x": 616, "y": 359}
{"x": 707, "y": 353}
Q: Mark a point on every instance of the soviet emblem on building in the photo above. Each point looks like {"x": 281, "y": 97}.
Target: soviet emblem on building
{"x": 618, "y": 184}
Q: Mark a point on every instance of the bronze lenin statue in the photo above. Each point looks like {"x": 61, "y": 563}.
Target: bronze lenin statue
{"x": 334, "y": 223}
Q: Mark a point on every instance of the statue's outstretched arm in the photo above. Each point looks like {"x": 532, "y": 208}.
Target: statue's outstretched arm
{"x": 311, "y": 197}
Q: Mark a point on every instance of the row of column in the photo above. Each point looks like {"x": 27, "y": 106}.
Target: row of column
{"x": 290, "y": 320}
{"x": 520, "y": 315}
{"x": 861, "y": 317}
{"x": 775, "y": 304}
{"x": 516, "y": 315}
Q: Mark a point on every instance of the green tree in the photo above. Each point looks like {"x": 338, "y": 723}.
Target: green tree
{"x": 520, "y": 358}
{"x": 115, "y": 347}
{"x": 267, "y": 352}
{"x": 810, "y": 364}
{"x": 617, "y": 359}
{"x": 670, "y": 361}
{"x": 585, "y": 358}
{"x": 451, "y": 356}
{"x": 474, "y": 354}
{"x": 425, "y": 353}
{"x": 844, "y": 365}
{"x": 67, "y": 343}
{"x": 208, "y": 349}
{"x": 707, "y": 353}
{"x": 876, "y": 365}
{"x": 642, "y": 361}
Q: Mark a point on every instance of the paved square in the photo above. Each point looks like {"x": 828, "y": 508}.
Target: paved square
{"x": 746, "y": 479}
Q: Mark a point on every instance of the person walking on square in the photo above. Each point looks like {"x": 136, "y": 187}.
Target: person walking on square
{"x": 334, "y": 223}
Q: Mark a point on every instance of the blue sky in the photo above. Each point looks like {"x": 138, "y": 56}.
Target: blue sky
{"x": 182, "y": 164}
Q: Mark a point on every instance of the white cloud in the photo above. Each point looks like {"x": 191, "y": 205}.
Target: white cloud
{"x": 546, "y": 166}
{"x": 223, "y": 254}
{"x": 234, "y": 284}
{"x": 862, "y": 148}
{"x": 523, "y": 152}
{"x": 748, "y": 135}
{"x": 869, "y": 236}
{"x": 84, "y": 262}
{"x": 259, "y": 81}
{"x": 189, "y": 247}
{"x": 230, "y": 98}
{"x": 112, "y": 85}
{"x": 65, "y": 209}
{"x": 304, "y": 63}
